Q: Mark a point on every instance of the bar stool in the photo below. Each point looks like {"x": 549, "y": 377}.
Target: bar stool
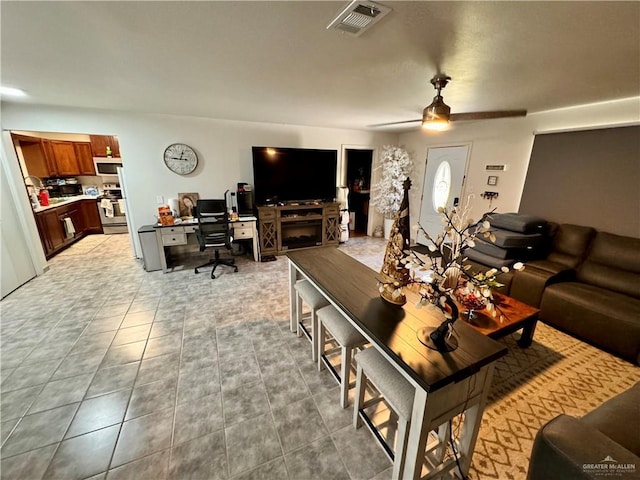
{"x": 330, "y": 320}
{"x": 305, "y": 291}
{"x": 398, "y": 393}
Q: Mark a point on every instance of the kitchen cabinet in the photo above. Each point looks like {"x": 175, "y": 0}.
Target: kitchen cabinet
{"x": 91, "y": 216}
{"x": 64, "y": 154}
{"x": 55, "y": 158}
{"x": 51, "y": 231}
{"x": 74, "y": 212}
{"x": 99, "y": 144}
{"x": 48, "y": 155}
{"x": 37, "y": 155}
{"x": 85, "y": 158}
{"x": 34, "y": 158}
{"x": 84, "y": 215}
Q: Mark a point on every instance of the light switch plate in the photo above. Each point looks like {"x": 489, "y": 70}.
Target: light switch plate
{"x": 159, "y": 199}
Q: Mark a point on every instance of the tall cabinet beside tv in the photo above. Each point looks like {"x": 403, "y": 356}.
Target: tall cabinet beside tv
{"x": 287, "y": 227}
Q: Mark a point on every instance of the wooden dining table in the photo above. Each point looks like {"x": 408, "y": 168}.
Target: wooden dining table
{"x": 446, "y": 383}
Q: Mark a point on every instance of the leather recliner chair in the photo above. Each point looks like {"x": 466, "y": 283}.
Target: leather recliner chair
{"x": 605, "y": 440}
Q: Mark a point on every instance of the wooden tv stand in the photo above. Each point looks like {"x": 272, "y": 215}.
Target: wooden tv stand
{"x": 298, "y": 225}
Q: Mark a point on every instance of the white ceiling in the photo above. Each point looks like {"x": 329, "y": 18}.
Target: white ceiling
{"x": 276, "y": 62}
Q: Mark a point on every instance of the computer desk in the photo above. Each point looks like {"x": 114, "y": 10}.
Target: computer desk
{"x": 175, "y": 235}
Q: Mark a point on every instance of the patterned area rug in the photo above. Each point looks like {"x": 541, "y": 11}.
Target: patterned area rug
{"x": 556, "y": 374}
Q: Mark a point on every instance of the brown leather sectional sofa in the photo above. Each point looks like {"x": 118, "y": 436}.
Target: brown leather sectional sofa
{"x": 588, "y": 286}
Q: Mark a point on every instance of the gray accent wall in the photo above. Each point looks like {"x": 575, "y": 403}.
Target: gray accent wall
{"x": 589, "y": 177}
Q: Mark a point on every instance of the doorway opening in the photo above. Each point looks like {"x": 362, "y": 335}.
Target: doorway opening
{"x": 359, "y": 164}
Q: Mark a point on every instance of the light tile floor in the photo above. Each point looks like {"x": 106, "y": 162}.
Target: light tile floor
{"x": 111, "y": 372}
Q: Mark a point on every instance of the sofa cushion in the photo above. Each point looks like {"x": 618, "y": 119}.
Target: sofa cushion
{"x": 488, "y": 260}
{"x": 570, "y": 244}
{"x": 501, "y": 253}
{"x": 549, "y": 266}
{"x": 602, "y": 317}
{"x": 518, "y": 222}
{"x": 507, "y": 239}
{"x": 490, "y": 249}
{"x": 528, "y": 285}
{"x": 619, "y": 419}
{"x": 613, "y": 263}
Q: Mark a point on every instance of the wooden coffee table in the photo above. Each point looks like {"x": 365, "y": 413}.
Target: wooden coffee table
{"x": 515, "y": 316}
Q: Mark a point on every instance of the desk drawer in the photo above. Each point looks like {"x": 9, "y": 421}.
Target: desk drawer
{"x": 172, "y": 230}
{"x": 267, "y": 214}
{"x": 177, "y": 239}
{"x": 243, "y": 225}
{"x": 331, "y": 210}
{"x": 190, "y": 228}
{"x": 240, "y": 233}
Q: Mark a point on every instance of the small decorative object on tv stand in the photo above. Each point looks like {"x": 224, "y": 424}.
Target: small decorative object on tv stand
{"x": 307, "y": 224}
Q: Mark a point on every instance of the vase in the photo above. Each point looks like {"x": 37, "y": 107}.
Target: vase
{"x": 393, "y": 296}
{"x": 452, "y": 277}
{"x": 388, "y": 223}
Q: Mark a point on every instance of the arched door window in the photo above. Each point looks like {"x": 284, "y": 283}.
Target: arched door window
{"x": 441, "y": 185}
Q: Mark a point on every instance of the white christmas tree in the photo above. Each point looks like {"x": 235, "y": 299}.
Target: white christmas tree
{"x": 396, "y": 165}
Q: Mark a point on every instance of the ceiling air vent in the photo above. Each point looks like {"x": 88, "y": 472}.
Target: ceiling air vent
{"x": 358, "y": 16}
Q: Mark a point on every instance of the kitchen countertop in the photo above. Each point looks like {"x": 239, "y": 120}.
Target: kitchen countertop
{"x": 69, "y": 200}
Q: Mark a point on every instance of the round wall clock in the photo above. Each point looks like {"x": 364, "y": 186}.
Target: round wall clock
{"x": 180, "y": 158}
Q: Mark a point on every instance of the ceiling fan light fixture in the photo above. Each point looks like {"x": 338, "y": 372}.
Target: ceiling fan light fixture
{"x": 436, "y": 116}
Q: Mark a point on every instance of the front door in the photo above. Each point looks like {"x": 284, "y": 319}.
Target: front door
{"x": 443, "y": 183}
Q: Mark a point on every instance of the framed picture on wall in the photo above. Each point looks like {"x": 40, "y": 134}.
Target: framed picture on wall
{"x": 187, "y": 204}
{"x": 492, "y": 180}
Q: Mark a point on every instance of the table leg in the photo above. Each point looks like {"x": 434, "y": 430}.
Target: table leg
{"x": 472, "y": 420}
{"x": 163, "y": 254}
{"x": 256, "y": 251}
{"x": 293, "y": 311}
{"x": 527, "y": 333}
{"x": 417, "y": 441}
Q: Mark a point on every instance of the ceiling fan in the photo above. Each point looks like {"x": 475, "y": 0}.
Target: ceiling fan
{"x": 437, "y": 115}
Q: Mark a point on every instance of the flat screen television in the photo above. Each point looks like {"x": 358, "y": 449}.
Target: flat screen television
{"x": 294, "y": 175}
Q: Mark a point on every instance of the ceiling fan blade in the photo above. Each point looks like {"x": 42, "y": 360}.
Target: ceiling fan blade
{"x": 396, "y": 123}
{"x": 487, "y": 115}
{"x": 466, "y": 116}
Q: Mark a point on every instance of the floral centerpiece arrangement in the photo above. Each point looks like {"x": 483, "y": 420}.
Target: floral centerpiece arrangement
{"x": 442, "y": 275}
{"x": 386, "y": 195}
{"x": 447, "y": 273}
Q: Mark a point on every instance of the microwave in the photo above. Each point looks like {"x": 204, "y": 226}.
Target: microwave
{"x": 107, "y": 167}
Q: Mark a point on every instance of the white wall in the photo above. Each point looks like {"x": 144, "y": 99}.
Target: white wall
{"x": 507, "y": 141}
{"x": 223, "y": 147}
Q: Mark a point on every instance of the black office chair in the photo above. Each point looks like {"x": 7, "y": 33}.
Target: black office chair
{"x": 214, "y": 231}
